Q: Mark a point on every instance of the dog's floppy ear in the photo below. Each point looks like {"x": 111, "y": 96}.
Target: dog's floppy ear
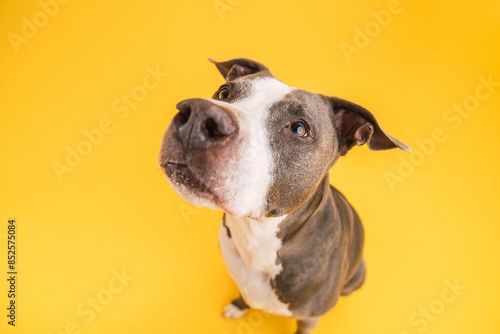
{"x": 240, "y": 67}
{"x": 357, "y": 126}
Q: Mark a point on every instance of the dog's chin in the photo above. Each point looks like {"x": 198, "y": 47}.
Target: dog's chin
{"x": 195, "y": 198}
{"x": 191, "y": 187}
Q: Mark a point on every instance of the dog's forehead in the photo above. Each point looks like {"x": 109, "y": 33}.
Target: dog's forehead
{"x": 307, "y": 101}
{"x": 256, "y": 92}
{"x": 260, "y": 91}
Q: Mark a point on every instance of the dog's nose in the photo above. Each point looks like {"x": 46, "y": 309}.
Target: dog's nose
{"x": 201, "y": 123}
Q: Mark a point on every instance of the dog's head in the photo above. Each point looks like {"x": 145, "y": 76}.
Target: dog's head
{"x": 259, "y": 147}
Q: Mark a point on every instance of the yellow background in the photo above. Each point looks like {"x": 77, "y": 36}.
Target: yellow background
{"x": 116, "y": 212}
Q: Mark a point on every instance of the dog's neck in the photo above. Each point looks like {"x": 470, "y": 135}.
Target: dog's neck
{"x": 296, "y": 219}
{"x": 259, "y": 240}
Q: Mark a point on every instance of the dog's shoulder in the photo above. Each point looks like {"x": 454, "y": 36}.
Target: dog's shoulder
{"x": 316, "y": 254}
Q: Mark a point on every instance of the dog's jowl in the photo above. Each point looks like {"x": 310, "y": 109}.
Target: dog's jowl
{"x": 260, "y": 151}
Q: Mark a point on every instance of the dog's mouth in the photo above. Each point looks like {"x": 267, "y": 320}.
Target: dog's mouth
{"x": 181, "y": 174}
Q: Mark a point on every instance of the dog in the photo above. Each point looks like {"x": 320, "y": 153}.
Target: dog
{"x": 260, "y": 151}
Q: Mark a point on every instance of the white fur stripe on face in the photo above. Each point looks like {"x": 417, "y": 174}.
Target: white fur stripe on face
{"x": 251, "y": 175}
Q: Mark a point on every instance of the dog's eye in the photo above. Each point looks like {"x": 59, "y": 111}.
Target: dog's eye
{"x": 223, "y": 93}
{"x": 299, "y": 128}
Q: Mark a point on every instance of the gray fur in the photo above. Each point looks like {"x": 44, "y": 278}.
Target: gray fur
{"x": 322, "y": 235}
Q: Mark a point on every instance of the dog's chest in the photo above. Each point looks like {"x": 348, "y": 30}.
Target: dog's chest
{"x": 250, "y": 253}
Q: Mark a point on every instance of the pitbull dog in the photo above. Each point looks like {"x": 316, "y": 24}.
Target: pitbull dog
{"x": 261, "y": 151}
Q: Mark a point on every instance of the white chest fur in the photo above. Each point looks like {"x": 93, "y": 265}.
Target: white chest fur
{"x": 250, "y": 255}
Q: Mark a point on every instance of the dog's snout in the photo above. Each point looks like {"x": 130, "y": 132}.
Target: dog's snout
{"x": 201, "y": 123}
{"x": 184, "y": 113}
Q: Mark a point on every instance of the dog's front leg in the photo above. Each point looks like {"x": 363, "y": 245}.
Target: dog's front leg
{"x": 236, "y": 309}
{"x": 306, "y": 326}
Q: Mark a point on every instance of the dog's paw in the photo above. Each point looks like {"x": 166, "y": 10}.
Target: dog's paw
{"x": 233, "y": 312}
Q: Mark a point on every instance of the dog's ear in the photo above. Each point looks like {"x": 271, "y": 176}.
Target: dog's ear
{"x": 357, "y": 126}
{"x": 237, "y": 68}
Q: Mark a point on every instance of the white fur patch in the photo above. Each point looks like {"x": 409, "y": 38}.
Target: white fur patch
{"x": 250, "y": 174}
{"x": 233, "y": 312}
{"x": 250, "y": 255}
